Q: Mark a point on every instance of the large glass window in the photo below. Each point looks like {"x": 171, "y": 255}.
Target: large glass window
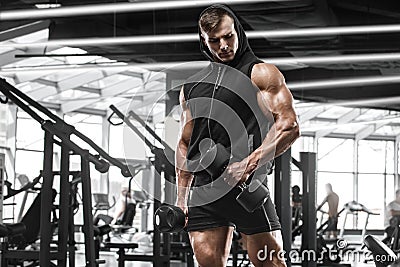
{"x": 374, "y": 156}
{"x": 335, "y": 155}
{"x": 371, "y": 190}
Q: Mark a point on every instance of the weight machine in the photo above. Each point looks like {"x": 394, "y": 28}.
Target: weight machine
{"x": 58, "y": 132}
{"x": 163, "y": 166}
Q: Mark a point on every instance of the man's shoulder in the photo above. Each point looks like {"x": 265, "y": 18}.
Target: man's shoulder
{"x": 266, "y": 75}
{"x": 265, "y": 68}
{"x": 332, "y": 195}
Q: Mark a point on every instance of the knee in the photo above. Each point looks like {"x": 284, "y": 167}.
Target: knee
{"x": 210, "y": 258}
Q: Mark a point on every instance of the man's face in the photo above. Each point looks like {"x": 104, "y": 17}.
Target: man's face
{"x": 222, "y": 41}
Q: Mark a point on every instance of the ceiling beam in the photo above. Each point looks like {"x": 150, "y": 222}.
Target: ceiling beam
{"x": 80, "y": 79}
{"x": 147, "y": 100}
{"x": 346, "y": 118}
{"x": 335, "y": 83}
{"x": 109, "y": 91}
{"x": 352, "y": 136}
{"x": 370, "y": 129}
{"x": 311, "y": 113}
{"x": 24, "y": 30}
{"x": 9, "y": 56}
{"x": 180, "y": 65}
{"x": 21, "y": 77}
{"x": 194, "y": 37}
{"x": 354, "y": 102}
{"x": 58, "y": 90}
{"x": 122, "y": 87}
{"x": 86, "y": 110}
{"x": 43, "y": 92}
{"x": 87, "y": 10}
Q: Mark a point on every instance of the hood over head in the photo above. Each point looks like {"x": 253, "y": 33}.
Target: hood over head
{"x": 244, "y": 54}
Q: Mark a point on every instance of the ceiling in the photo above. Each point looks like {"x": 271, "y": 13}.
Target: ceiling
{"x": 364, "y": 74}
{"x": 277, "y": 15}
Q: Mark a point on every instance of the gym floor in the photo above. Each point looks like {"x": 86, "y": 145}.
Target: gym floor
{"x": 111, "y": 261}
{"x": 111, "y": 257}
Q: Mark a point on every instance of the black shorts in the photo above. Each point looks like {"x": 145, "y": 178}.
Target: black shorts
{"x": 332, "y": 224}
{"x": 226, "y": 211}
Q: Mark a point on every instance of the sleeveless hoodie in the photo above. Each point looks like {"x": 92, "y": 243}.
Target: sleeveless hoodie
{"x": 223, "y": 104}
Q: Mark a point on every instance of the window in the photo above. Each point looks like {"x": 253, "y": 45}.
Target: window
{"x": 371, "y": 190}
{"x": 374, "y": 155}
{"x": 335, "y": 154}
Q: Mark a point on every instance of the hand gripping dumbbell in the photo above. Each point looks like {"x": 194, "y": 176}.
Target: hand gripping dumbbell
{"x": 169, "y": 219}
{"x": 216, "y": 159}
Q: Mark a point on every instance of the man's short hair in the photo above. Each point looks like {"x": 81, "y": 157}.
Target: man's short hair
{"x": 329, "y": 186}
{"x": 211, "y": 18}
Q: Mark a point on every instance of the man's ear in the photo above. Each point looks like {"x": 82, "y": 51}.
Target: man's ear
{"x": 203, "y": 39}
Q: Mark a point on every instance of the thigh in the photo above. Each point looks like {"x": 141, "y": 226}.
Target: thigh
{"x": 212, "y": 246}
{"x": 266, "y": 249}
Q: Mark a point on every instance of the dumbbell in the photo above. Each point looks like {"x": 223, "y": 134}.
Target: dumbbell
{"x": 216, "y": 159}
{"x": 169, "y": 219}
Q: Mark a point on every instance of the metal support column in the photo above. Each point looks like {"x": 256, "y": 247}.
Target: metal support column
{"x": 46, "y": 203}
{"x": 87, "y": 212}
{"x": 11, "y": 142}
{"x": 309, "y": 236}
{"x": 355, "y": 180}
{"x": 105, "y": 144}
{"x": 145, "y": 185}
{"x": 282, "y": 199}
{"x": 2, "y": 176}
{"x": 158, "y": 256}
{"x": 396, "y": 163}
{"x": 64, "y": 206}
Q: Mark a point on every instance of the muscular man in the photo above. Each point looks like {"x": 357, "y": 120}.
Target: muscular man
{"x": 231, "y": 102}
{"x": 333, "y": 202}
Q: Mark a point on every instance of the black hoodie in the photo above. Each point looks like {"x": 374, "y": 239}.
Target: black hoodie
{"x": 223, "y": 103}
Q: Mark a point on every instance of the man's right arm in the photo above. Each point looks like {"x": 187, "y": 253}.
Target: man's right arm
{"x": 184, "y": 177}
{"x": 322, "y": 203}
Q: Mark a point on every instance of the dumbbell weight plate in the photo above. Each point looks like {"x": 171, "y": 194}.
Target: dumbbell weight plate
{"x": 169, "y": 219}
{"x": 215, "y": 160}
{"x": 253, "y": 196}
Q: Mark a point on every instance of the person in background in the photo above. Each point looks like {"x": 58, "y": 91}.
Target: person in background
{"x": 296, "y": 206}
{"x": 391, "y": 212}
{"x": 123, "y": 201}
{"x": 333, "y": 202}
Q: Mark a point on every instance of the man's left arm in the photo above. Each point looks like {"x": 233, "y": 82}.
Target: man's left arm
{"x": 274, "y": 98}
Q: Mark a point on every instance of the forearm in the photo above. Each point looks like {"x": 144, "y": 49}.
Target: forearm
{"x": 321, "y": 205}
{"x": 184, "y": 177}
{"x": 280, "y": 137}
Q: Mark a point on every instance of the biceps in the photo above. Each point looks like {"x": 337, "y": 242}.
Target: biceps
{"x": 278, "y": 102}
